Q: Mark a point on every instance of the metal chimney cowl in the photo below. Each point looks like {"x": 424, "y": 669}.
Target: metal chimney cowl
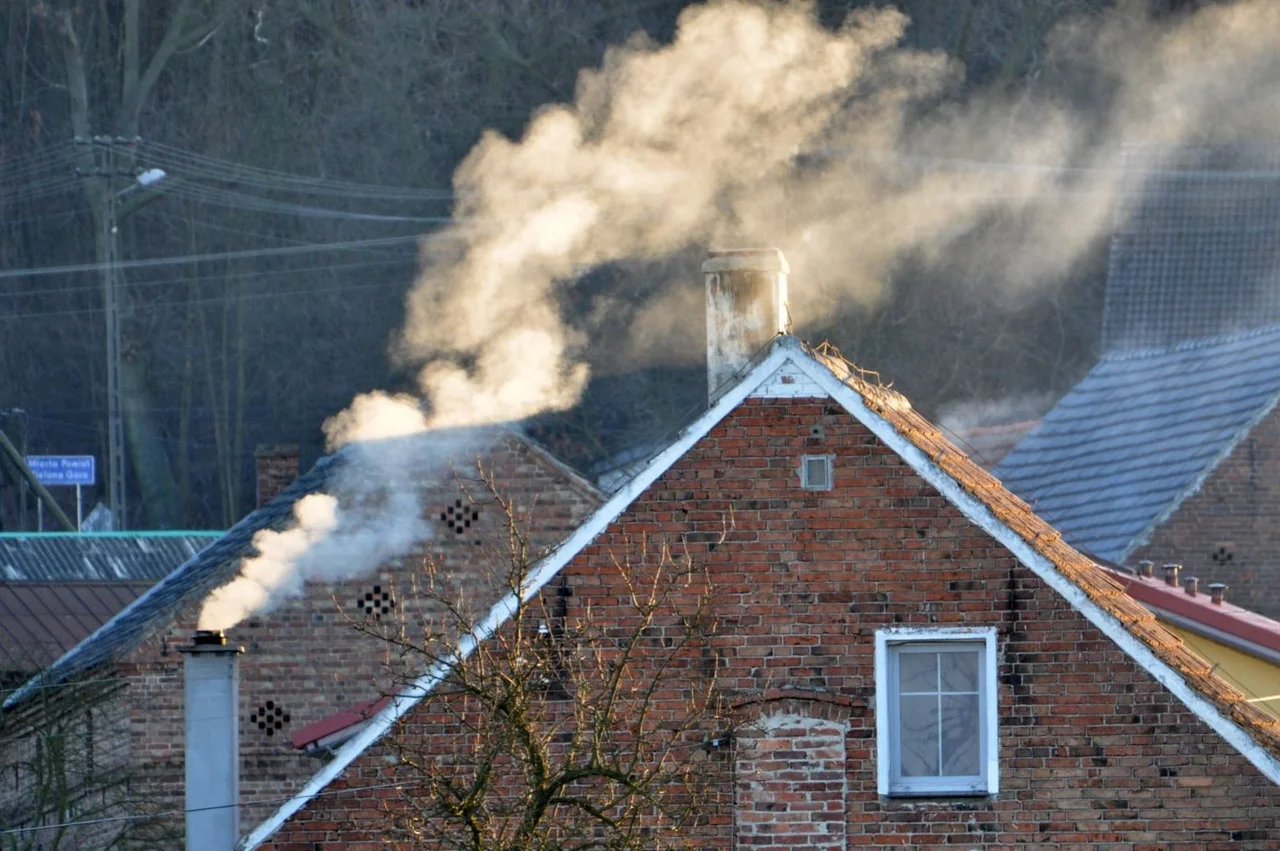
{"x": 211, "y": 700}
{"x": 746, "y": 308}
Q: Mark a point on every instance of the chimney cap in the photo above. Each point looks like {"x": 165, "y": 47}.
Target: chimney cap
{"x": 753, "y": 259}
{"x": 210, "y": 641}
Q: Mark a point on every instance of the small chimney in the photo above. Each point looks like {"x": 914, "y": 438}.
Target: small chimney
{"x": 1171, "y": 574}
{"x": 1191, "y": 584}
{"x": 277, "y": 467}
{"x": 211, "y": 680}
{"x": 746, "y": 308}
{"x": 1146, "y": 569}
{"x": 1217, "y": 593}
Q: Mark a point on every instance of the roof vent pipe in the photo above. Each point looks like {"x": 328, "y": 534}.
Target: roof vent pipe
{"x": 1217, "y": 593}
{"x": 1146, "y": 569}
{"x": 1171, "y": 574}
{"x": 1191, "y": 584}
{"x": 746, "y": 308}
{"x": 211, "y": 693}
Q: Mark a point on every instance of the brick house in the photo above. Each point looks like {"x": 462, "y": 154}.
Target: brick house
{"x": 855, "y": 555}
{"x": 118, "y": 693}
{"x": 1169, "y": 449}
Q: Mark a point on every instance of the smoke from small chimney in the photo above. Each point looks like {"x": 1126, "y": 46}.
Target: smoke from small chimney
{"x": 211, "y": 700}
{"x": 746, "y": 308}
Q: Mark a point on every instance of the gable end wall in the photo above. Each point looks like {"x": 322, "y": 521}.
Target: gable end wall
{"x": 1094, "y": 753}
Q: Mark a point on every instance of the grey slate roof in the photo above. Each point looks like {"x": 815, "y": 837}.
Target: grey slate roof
{"x": 105, "y": 556}
{"x": 211, "y": 567}
{"x": 1196, "y": 248}
{"x": 1140, "y": 433}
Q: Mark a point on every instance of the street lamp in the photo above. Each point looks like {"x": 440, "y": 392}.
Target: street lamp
{"x": 110, "y": 284}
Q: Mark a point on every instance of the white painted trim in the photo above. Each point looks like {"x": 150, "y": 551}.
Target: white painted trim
{"x": 978, "y": 512}
{"x": 541, "y": 574}
{"x": 990, "y": 690}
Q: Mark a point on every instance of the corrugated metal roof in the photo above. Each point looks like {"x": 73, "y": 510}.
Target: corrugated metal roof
{"x": 39, "y": 621}
{"x": 211, "y": 567}
{"x": 110, "y": 556}
{"x": 1196, "y": 251}
{"x": 1139, "y": 434}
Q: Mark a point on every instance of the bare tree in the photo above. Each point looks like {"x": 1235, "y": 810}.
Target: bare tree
{"x": 572, "y": 726}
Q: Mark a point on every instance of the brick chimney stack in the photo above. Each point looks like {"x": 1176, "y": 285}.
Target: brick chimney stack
{"x": 746, "y": 308}
{"x": 277, "y": 467}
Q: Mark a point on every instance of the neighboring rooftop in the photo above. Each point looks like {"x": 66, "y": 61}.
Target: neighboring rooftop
{"x": 1138, "y": 435}
{"x": 97, "y": 556}
{"x": 211, "y": 567}
{"x": 1196, "y": 250}
{"x": 39, "y": 621}
{"x": 1243, "y": 646}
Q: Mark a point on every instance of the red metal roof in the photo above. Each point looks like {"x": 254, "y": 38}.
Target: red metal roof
{"x": 39, "y": 621}
{"x": 1234, "y": 621}
{"x": 313, "y": 735}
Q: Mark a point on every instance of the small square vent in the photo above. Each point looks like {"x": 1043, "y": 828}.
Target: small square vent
{"x": 815, "y": 472}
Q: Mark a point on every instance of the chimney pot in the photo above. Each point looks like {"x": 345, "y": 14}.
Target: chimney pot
{"x": 277, "y": 465}
{"x": 1217, "y": 593}
{"x": 1191, "y": 585}
{"x": 209, "y": 637}
{"x": 1146, "y": 569}
{"x": 746, "y": 308}
{"x": 1171, "y": 574}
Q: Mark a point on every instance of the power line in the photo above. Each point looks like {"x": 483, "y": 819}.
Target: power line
{"x": 85, "y": 311}
{"x": 214, "y": 277}
{"x": 347, "y": 245}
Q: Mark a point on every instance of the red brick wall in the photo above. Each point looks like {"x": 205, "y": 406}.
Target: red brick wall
{"x": 1094, "y": 753}
{"x": 307, "y": 658}
{"x": 1229, "y": 530}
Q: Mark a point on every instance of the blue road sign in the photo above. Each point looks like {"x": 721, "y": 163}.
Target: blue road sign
{"x": 53, "y": 470}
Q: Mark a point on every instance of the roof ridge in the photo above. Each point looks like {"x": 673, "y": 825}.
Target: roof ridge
{"x": 1192, "y": 344}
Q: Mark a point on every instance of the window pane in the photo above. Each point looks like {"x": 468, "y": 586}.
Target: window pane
{"x": 961, "y": 735}
{"x": 918, "y": 671}
{"x": 960, "y": 671}
{"x": 918, "y": 733}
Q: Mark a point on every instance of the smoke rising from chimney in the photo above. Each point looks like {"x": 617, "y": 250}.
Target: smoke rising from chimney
{"x": 698, "y": 142}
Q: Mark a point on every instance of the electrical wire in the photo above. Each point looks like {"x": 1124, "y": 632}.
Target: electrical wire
{"x": 307, "y": 248}
{"x": 189, "y": 162}
{"x": 402, "y": 260}
{"x": 86, "y": 311}
{"x": 241, "y": 201}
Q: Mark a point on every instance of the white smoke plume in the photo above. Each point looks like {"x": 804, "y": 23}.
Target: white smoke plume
{"x": 696, "y": 142}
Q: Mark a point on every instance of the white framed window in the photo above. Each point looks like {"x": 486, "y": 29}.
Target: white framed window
{"x": 815, "y": 472}
{"x": 936, "y": 712}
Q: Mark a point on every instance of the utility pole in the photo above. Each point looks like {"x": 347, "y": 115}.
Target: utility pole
{"x": 107, "y": 170}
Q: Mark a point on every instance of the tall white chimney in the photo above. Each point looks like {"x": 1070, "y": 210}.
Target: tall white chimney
{"x": 746, "y": 308}
{"x": 211, "y": 675}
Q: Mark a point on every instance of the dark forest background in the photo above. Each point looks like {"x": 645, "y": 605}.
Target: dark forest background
{"x": 307, "y": 145}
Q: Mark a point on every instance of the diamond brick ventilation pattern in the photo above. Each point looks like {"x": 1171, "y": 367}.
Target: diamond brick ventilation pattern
{"x": 458, "y": 518}
{"x": 270, "y": 717}
{"x": 376, "y": 602}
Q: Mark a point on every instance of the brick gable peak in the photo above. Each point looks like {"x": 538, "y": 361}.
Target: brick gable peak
{"x": 792, "y": 369}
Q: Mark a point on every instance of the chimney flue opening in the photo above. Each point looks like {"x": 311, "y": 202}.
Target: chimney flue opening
{"x": 1191, "y": 585}
{"x": 1171, "y": 574}
{"x": 1217, "y": 593}
{"x": 209, "y": 638}
{"x": 1146, "y": 569}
